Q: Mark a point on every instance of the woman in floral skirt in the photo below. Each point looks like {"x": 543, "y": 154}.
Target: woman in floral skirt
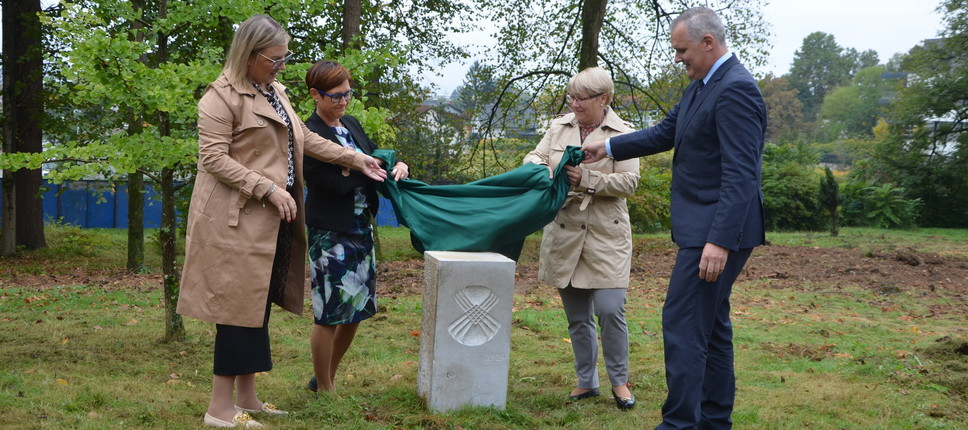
{"x": 339, "y": 207}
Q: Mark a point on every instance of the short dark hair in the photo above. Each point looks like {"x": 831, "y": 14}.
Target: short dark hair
{"x": 326, "y": 74}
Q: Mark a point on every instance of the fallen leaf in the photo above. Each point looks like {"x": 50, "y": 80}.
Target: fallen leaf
{"x": 61, "y": 381}
{"x": 414, "y": 332}
{"x": 63, "y": 341}
{"x": 132, "y": 322}
{"x": 566, "y": 340}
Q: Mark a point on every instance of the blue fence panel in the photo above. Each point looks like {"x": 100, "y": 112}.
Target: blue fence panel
{"x": 386, "y": 216}
{"x": 152, "y": 209}
{"x": 100, "y": 205}
{"x": 121, "y": 209}
{"x": 72, "y": 207}
{"x": 76, "y": 203}
{"x": 50, "y": 201}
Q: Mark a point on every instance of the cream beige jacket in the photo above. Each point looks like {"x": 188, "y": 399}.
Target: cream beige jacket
{"x": 589, "y": 244}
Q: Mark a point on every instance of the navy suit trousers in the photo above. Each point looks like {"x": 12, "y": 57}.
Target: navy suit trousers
{"x": 698, "y": 340}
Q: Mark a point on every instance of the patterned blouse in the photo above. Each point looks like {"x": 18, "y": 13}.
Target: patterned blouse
{"x": 277, "y": 105}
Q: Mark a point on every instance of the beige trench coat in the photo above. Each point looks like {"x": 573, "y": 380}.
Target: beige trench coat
{"x": 231, "y": 237}
{"x": 589, "y": 244}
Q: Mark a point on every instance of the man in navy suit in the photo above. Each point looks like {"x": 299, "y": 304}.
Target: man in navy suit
{"x": 717, "y": 131}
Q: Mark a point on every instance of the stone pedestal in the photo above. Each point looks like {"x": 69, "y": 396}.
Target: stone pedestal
{"x": 466, "y": 337}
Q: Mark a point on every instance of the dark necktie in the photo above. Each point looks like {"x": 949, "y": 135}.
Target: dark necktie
{"x": 695, "y": 95}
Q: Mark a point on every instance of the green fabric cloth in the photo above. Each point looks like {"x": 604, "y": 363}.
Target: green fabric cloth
{"x": 493, "y": 214}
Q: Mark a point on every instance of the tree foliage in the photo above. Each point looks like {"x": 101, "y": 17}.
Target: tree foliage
{"x": 852, "y": 111}
{"x": 632, "y": 40}
{"x": 406, "y": 35}
{"x": 820, "y": 65}
{"x": 926, "y": 153}
{"x": 784, "y": 109}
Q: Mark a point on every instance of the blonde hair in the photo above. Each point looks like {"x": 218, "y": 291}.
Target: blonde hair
{"x": 592, "y": 81}
{"x": 255, "y": 34}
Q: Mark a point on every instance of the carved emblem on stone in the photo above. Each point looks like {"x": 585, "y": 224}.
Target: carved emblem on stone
{"x": 475, "y": 326}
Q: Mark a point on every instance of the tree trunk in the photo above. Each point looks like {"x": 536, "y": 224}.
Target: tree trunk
{"x": 167, "y": 235}
{"x": 136, "y": 181}
{"x": 8, "y": 235}
{"x": 352, "y": 14}
{"x": 592, "y": 18}
{"x": 136, "y": 222}
{"x": 23, "y": 112}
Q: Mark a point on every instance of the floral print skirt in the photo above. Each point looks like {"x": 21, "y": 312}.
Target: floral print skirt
{"x": 343, "y": 273}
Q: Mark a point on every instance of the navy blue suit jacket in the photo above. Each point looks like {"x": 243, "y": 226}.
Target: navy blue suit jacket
{"x": 718, "y": 140}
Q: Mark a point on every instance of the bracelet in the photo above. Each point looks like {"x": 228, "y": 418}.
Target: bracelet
{"x": 266, "y": 196}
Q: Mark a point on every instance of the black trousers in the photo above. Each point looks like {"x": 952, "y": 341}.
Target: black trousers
{"x": 245, "y": 350}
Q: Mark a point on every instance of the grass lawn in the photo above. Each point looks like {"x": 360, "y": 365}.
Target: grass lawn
{"x": 85, "y": 356}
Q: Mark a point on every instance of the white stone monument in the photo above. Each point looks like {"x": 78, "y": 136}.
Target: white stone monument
{"x": 465, "y": 341}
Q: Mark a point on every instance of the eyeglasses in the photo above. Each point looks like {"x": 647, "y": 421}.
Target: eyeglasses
{"x": 336, "y": 98}
{"x": 277, "y": 64}
{"x": 575, "y": 99}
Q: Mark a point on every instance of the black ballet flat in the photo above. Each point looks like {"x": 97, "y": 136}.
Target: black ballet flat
{"x": 313, "y": 385}
{"x": 590, "y": 393}
{"x": 624, "y": 403}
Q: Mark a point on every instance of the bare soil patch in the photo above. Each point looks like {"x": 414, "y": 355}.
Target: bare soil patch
{"x": 798, "y": 268}
{"x": 784, "y": 266}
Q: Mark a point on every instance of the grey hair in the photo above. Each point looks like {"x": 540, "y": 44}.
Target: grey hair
{"x": 255, "y": 34}
{"x": 700, "y": 21}
{"x": 591, "y": 81}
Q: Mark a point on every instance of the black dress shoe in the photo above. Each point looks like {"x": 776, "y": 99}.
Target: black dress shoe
{"x": 313, "y": 385}
{"x": 624, "y": 403}
{"x": 590, "y": 393}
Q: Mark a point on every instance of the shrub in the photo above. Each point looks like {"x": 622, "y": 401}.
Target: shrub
{"x": 790, "y": 193}
{"x": 649, "y": 207}
{"x": 882, "y": 206}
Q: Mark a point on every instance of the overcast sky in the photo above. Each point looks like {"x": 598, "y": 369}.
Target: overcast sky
{"x": 886, "y": 26}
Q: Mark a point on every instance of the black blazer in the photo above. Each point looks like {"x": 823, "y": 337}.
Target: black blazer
{"x": 329, "y": 202}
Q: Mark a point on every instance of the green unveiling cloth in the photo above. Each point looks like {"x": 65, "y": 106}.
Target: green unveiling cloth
{"x": 493, "y": 214}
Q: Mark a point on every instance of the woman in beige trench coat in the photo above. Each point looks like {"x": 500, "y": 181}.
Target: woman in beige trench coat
{"x": 586, "y": 252}
{"x": 246, "y": 245}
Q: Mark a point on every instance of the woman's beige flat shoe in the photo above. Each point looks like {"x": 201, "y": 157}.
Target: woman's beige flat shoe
{"x": 240, "y": 419}
{"x": 267, "y": 408}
